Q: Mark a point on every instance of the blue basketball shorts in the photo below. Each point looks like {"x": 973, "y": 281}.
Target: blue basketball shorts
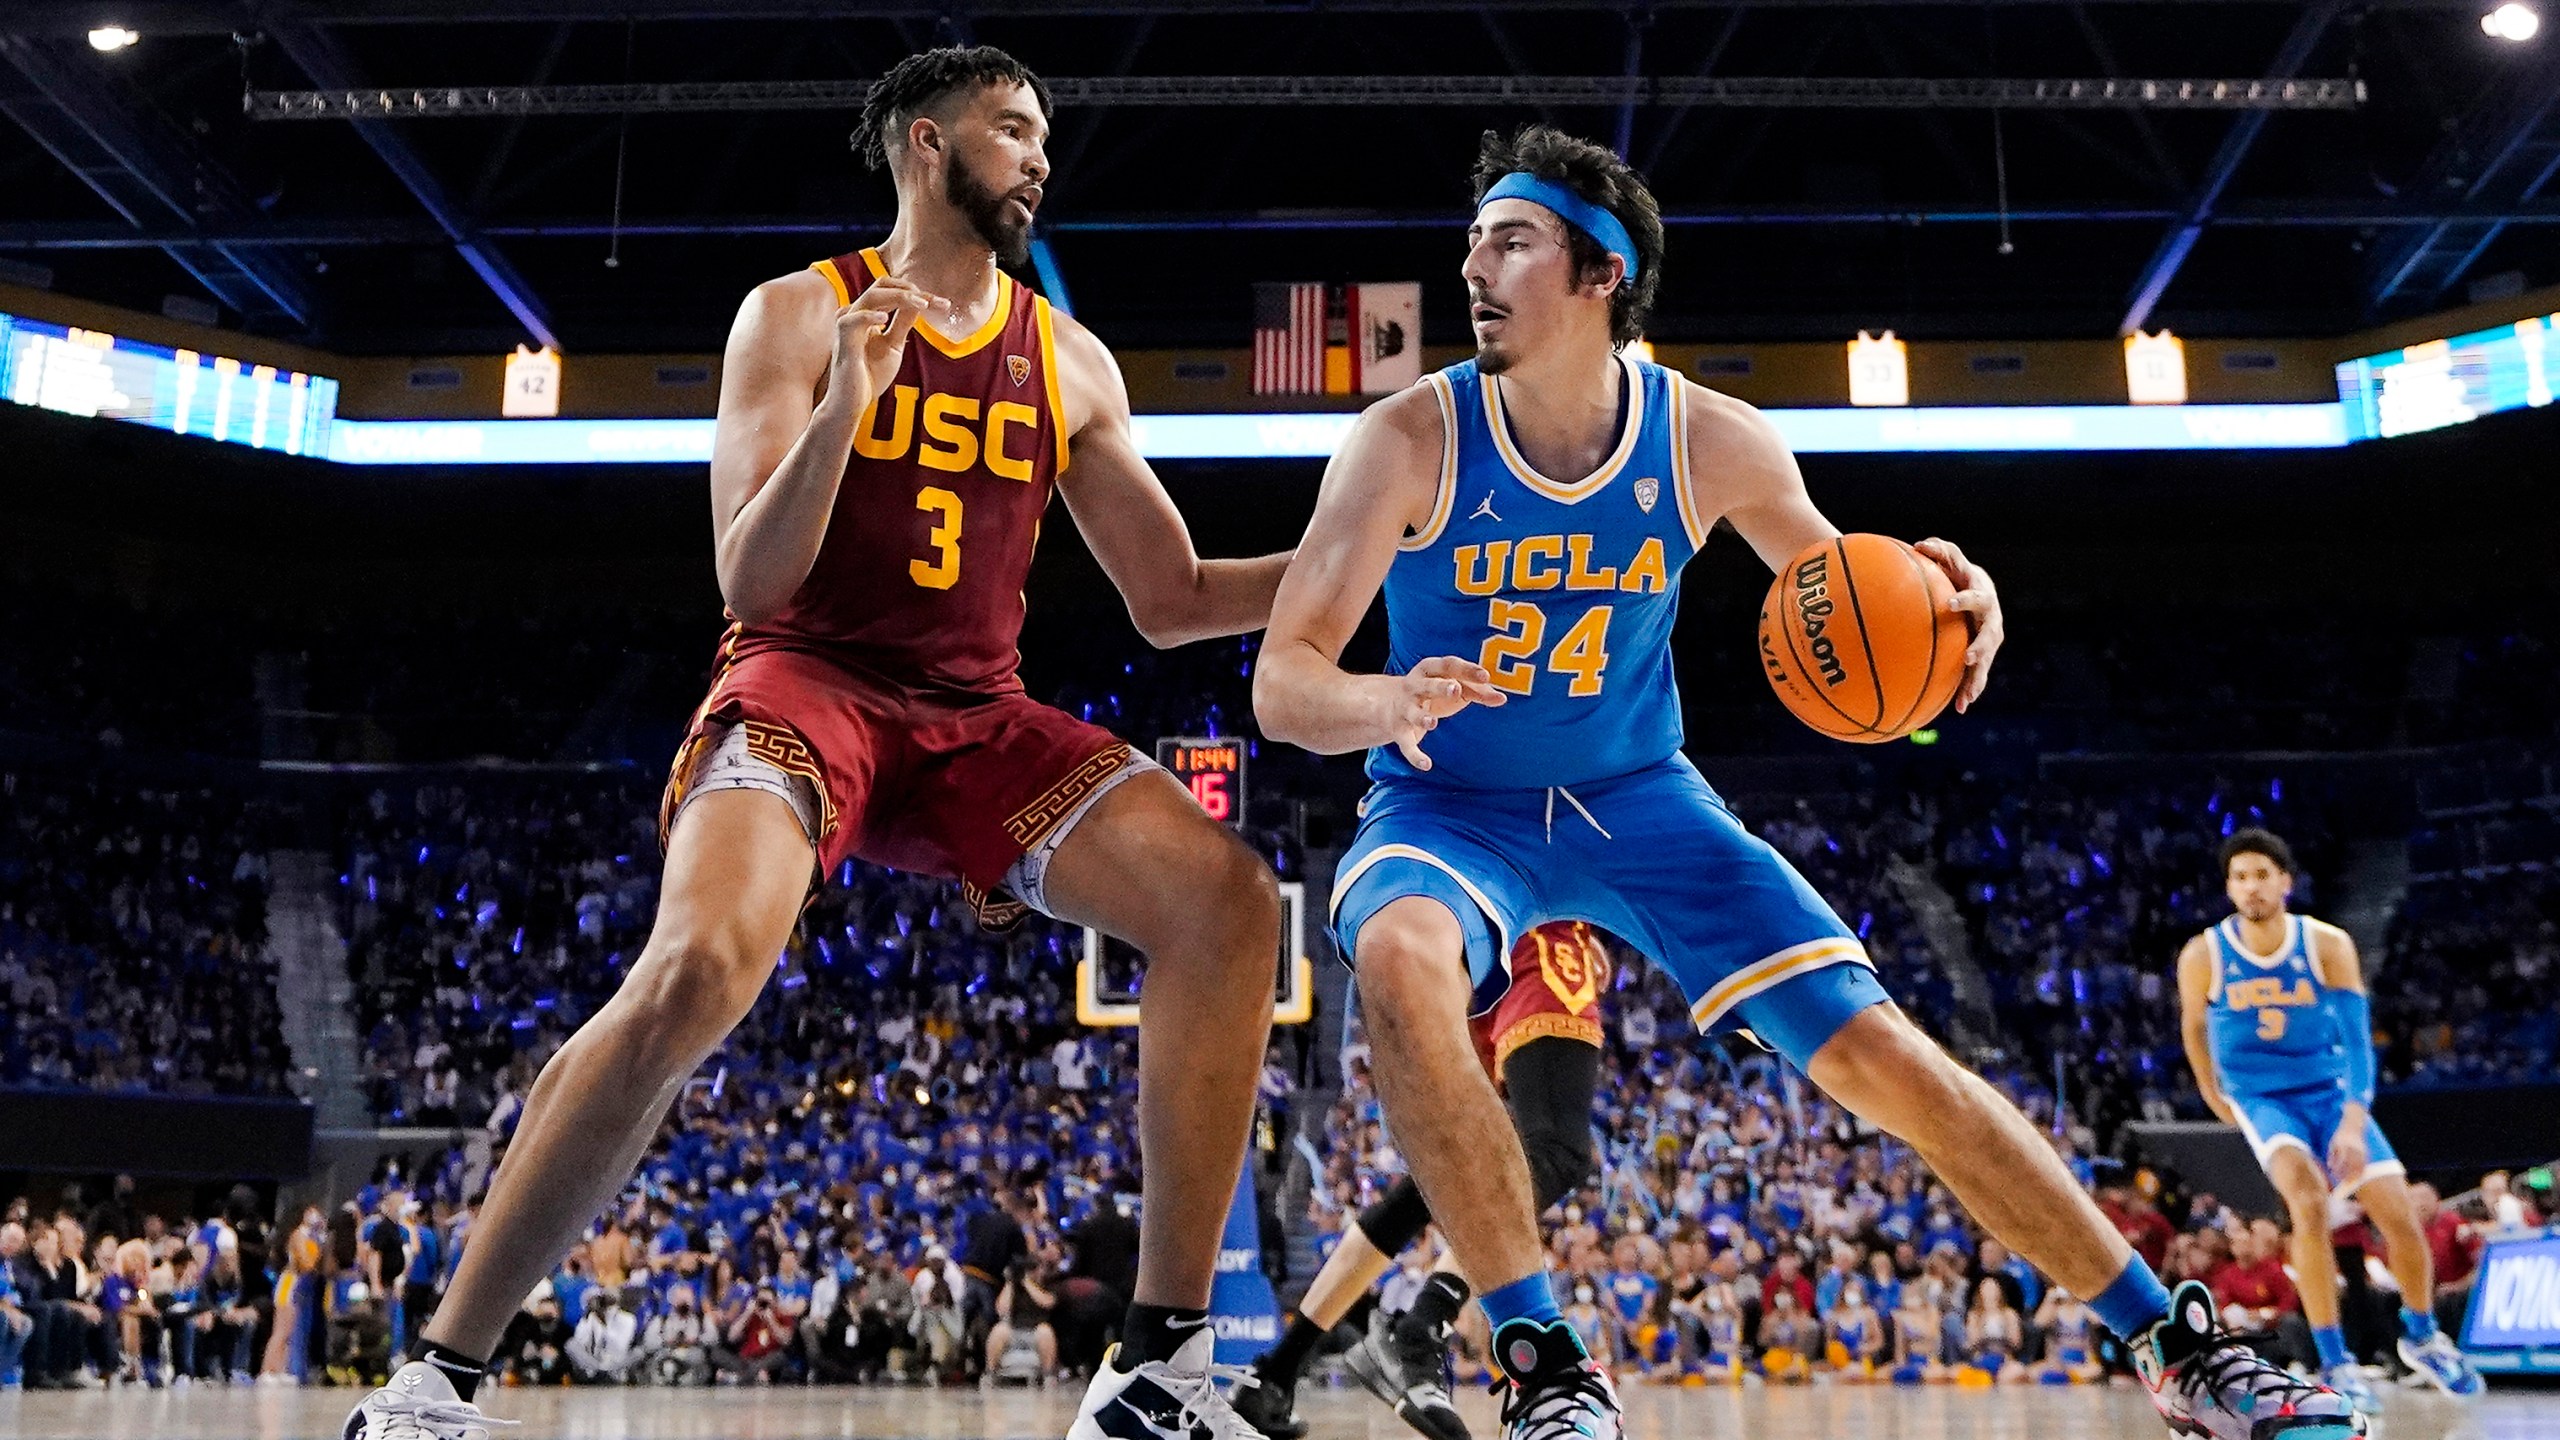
{"x": 1654, "y": 857}
{"x": 2307, "y": 1119}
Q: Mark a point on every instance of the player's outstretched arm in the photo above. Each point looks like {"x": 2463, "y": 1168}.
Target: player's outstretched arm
{"x": 1378, "y": 486}
{"x": 1740, "y": 468}
{"x": 2195, "y": 1002}
{"x": 777, "y": 454}
{"x": 1174, "y": 596}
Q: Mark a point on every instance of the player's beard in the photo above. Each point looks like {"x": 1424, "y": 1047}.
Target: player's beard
{"x": 1492, "y": 356}
{"x": 984, "y": 208}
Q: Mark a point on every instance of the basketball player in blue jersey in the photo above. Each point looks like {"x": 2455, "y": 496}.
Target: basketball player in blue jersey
{"x": 1528, "y": 513}
{"x": 2281, "y": 1037}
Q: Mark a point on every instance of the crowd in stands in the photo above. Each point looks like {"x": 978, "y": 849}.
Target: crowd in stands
{"x": 1741, "y": 1227}
{"x": 132, "y": 937}
{"x": 2469, "y": 995}
{"x": 910, "y": 1163}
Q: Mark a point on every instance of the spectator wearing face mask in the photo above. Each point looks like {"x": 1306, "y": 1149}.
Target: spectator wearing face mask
{"x": 677, "y": 1346}
{"x": 1853, "y": 1333}
{"x": 1919, "y": 1336}
{"x": 1591, "y": 1320}
{"x": 758, "y": 1342}
{"x": 605, "y": 1348}
{"x": 1788, "y": 1335}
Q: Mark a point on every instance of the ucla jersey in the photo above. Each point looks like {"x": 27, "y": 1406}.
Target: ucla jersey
{"x": 1564, "y": 592}
{"x": 2268, "y": 1024}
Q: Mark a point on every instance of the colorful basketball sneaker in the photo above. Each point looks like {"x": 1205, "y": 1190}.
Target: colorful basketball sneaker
{"x": 1552, "y": 1389}
{"x": 2442, "y": 1364}
{"x": 1406, "y": 1364}
{"x": 1176, "y": 1399}
{"x": 2205, "y": 1382}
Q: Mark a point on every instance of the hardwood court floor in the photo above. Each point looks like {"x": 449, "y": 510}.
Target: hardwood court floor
{"x": 792, "y": 1413}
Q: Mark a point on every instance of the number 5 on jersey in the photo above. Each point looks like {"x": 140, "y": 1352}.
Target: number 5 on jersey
{"x": 1520, "y": 627}
{"x": 943, "y": 570}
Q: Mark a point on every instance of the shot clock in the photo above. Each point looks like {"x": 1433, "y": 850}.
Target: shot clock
{"x": 1211, "y": 769}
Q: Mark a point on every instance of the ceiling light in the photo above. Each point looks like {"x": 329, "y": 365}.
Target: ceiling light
{"x": 107, "y": 39}
{"x": 2511, "y": 21}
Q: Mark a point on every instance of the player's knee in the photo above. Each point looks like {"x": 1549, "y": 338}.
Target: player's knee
{"x": 1249, "y": 893}
{"x": 2307, "y": 1198}
{"x": 1557, "y": 1163}
{"x": 1886, "y": 1071}
{"x": 1238, "y": 909}
{"x": 693, "y": 988}
{"x": 1410, "y": 943}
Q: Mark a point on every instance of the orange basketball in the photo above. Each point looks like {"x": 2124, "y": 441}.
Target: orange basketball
{"x": 1858, "y": 641}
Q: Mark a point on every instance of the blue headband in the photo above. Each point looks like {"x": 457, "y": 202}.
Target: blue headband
{"x": 1577, "y": 212}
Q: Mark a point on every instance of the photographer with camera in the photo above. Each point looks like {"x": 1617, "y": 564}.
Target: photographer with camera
{"x": 1021, "y": 1346}
{"x": 759, "y": 1342}
{"x": 678, "y": 1346}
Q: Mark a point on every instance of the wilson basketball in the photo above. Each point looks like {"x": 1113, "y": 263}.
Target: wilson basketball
{"x": 1858, "y": 640}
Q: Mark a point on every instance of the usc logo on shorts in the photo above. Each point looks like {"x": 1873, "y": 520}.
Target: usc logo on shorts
{"x": 1573, "y": 963}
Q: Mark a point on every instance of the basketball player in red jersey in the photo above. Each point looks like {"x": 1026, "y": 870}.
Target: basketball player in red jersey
{"x": 891, "y": 424}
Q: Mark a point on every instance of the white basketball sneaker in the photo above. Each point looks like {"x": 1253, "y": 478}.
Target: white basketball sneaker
{"x": 1176, "y": 1399}
{"x": 419, "y": 1403}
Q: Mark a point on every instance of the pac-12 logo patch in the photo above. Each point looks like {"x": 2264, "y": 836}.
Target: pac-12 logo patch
{"x": 1648, "y": 490}
{"x": 1019, "y": 366}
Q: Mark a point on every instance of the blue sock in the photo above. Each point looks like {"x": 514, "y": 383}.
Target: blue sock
{"x": 2418, "y": 1325}
{"x": 2133, "y": 1302}
{"x": 1528, "y": 1298}
{"x": 2332, "y": 1345}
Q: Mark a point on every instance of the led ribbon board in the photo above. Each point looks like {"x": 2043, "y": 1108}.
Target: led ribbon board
{"x": 2514, "y": 1322}
{"x": 95, "y": 374}
{"x": 2451, "y": 381}
{"x": 1317, "y": 436}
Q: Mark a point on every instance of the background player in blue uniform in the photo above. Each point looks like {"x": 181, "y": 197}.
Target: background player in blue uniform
{"x": 1526, "y": 748}
{"x": 2281, "y": 1038}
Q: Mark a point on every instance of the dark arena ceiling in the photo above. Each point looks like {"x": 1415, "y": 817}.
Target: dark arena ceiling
{"x": 1814, "y": 183}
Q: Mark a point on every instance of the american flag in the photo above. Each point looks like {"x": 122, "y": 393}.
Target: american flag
{"x": 1288, "y": 339}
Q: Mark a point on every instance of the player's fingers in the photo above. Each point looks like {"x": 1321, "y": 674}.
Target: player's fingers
{"x": 1481, "y": 693}
{"x": 901, "y": 322}
{"x": 857, "y": 318}
{"x": 1973, "y": 602}
{"x": 1412, "y": 754}
{"x": 1976, "y": 678}
{"x": 1950, "y": 559}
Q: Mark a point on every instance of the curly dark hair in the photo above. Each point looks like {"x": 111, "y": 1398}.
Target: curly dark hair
{"x": 1595, "y": 173}
{"x": 2250, "y": 840}
{"x": 916, "y": 84}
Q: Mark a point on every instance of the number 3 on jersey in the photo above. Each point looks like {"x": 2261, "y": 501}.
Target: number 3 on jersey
{"x": 1520, "y": 627}
{"x": 943, "y": 571}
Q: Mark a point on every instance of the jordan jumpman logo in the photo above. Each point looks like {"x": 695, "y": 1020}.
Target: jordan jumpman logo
{"x": 1484, "y": 510}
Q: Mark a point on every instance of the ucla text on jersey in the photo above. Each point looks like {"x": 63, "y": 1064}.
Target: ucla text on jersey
{"x": 1564, "y": 592}
{"x": 2268, "y": 1021}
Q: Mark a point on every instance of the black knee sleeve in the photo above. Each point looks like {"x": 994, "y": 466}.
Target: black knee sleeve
{"x": 1398, "y": 1219}
{"x": 1549, "y": 1083}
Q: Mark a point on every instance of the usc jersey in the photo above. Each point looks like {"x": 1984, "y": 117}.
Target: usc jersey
{"x": 920, "y": 578}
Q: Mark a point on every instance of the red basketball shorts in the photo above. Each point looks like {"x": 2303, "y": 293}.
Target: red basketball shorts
{"x": 961, "y": 786}
{"x": 1559, "y": 971}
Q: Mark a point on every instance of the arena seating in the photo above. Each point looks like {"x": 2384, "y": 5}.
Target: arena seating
{"x": 132, "y": 934}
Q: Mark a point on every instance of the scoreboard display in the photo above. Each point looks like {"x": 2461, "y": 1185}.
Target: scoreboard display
{"x": 2451, "y": 381}
{"x": 110, "y": 377}
{"x": 1212, "y": 769}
